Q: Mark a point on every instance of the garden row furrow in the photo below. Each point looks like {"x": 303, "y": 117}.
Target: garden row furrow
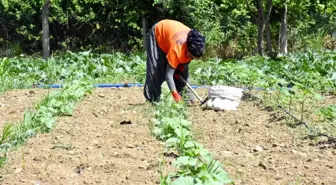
{"x": 43, "y": 118}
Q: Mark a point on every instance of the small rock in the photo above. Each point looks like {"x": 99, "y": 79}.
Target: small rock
{"x": 101, "y": 95}
{"x": 130, "y": 146}
{"x": 271, "y": 169}
{"x": 126, "y": 122}
{"x": 81, "y": 168}
{"x": 307, "y": 167}
{"x": 258, "y": 149}
{"x": 330, "y": 166}
{"x": 18, "y": 170}
{"x": 226, "y": 153}
{"x": 278, "y": 145}
{"x": 144, "y": 165}
{"x": 278, "y": 177}
{"x": 299, "y": 153}
{"x": 261, "y": 164}
{"x": 247, "y": 125}
{"x": 115, "y": 154}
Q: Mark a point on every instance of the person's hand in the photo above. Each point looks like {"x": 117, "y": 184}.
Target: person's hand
{"x": 177, "y": 96}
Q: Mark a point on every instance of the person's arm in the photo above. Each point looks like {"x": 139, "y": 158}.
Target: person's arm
{"x": 170, "y": 77}
{"x": 171, "y": 84}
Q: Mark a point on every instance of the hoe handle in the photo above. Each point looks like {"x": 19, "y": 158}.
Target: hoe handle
{"x": 192, "y": 90}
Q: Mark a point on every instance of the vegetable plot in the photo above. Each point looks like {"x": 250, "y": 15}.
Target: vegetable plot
{"x": 302, "y": 85}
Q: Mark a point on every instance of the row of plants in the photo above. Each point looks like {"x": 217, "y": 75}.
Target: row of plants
{"x": 312, "y": 69}
{"x": 194, "y": 164}
{"x": 42, "y": 118}
{"x": 316, "y": 70}
{"x": 23, "y": 72}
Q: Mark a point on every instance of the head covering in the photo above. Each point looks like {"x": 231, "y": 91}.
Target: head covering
{"x": 195, "y": 43}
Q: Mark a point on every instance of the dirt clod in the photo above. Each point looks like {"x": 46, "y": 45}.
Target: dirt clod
{"x": 124, "y": 122}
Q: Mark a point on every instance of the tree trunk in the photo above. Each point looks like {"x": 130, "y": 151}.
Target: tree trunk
{"x": 283, "y": 30}
{"x": 45, "y": 27}
{"x": 269, "y": 37}
{"x": 268, "y": 27}
{"x": 260, "y": 26}
{"x": 260, "y": 38}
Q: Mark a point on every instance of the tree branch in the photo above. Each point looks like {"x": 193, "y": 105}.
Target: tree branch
{"x": 249, "y": 8}
{"x": 269, "y": 6}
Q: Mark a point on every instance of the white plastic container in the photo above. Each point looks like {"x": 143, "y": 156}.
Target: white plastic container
{"x": 223, "y": 98}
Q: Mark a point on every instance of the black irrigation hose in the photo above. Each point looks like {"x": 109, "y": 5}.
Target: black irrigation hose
{"x": 331, "y": 139}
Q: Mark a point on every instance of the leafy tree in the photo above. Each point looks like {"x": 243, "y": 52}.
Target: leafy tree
{"x": 233, "y": 28}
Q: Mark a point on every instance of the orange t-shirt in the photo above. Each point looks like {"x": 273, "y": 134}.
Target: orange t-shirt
{"x": 171, "y": 36}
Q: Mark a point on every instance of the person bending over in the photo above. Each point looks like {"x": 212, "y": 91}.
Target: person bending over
{"x": 171, "y": 46}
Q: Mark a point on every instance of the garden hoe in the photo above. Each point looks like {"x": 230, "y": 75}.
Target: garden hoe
{"x": 194, "y": 92}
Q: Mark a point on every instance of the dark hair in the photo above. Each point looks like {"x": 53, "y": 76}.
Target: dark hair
{"x": 195, "y": 43}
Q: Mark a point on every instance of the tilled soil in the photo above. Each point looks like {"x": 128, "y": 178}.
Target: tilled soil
{"x": 257, "y": 147}
{"x": 106, "y": 141}
{"x": 14, "y": 103}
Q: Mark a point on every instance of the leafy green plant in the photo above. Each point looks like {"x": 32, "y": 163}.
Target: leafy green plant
{"x": 328, "y": 113}
{"x": 195, "y": 164}
{"x": 22, "y": 72}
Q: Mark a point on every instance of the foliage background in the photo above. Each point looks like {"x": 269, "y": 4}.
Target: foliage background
{"x": 106, "y": 26}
